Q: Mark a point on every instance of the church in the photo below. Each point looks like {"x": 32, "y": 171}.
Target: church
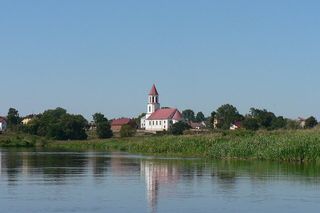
{"x": 157, "y": 119}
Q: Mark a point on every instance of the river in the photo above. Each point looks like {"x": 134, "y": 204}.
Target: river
{"x": 55, "y": 181}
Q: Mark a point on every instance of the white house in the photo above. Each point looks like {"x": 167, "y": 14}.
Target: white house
{"x": 157, "y": 119}
{"x": 3, "y": 124}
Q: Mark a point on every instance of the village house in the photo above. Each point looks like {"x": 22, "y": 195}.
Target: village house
{"x": 235, "y": 125}
{"x": 157, "y": 119}
{"x": 3, "y": 124}
{"x": 197, "y": 125}
{"x": 302, "y": 122}
{"x": 117, "y": 124}
{"x": 27, "y": 119}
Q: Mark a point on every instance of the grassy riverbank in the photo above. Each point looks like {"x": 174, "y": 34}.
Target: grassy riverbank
{"x": 297, "y": 146}
{"x": 21, "y": 140}
{"x": 291, "y": 146}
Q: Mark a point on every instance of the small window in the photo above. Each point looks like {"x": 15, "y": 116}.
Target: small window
{"x": 159, "y": 122}
{"x": 153, "y": 123}
{"x": 149, "y": 123}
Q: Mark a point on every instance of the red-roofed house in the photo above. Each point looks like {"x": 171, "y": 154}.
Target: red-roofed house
{"x": 158, "y": 119}
{"x": 236, "y": 125}
{"x": 3, "y": 124}
{"x": 117, "y": 124}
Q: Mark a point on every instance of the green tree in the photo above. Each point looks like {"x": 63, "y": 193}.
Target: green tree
{"x": 73, "y": 127}
{"x": 188, "y": 115}
{"x": 127, "y": 131}
{"x": 263, "y": 117}
{"x": 292, "y": 124}
{"x": 13, "y": 119}
{"x": 178, "y": 128}
{"x": 200, "y": 117}
{"x": 212, "y": 119}
{"x": 278, "y": 123}
{"x": 226, "y": 115}
{"x": 250, "y": 124}
{"x": 311, "y": 122}
{"x": 138, "y": 119}
{"x": 103, "y": 127}
{"x": 58, "y": 124}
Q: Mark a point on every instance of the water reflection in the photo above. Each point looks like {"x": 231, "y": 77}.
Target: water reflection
{"x": 162, "y": 178}
{"x": 157, "y": 173}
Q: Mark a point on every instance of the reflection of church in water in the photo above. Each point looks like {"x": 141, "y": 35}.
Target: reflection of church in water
{"x": 157, "y": 173}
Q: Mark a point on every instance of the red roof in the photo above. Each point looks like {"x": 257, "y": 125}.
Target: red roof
{"x": 3, "y": 119}
{"x": 121, "y": 121}
{"x": 177, "y": 116}
{"x": 153, "y": 91}
{"x": 163, "y": 114}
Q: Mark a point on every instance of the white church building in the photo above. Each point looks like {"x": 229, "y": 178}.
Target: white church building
{"x": 157, "y": 119}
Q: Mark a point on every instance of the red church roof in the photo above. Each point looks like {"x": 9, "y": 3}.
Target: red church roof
{"x": 164, "y": 114}
{"x": 153, "y": 91}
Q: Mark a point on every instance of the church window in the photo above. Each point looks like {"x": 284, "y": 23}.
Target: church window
{"x": 153, "y": 123}
{"x": 149, "y": 123}
{"x": 159, "y": 122}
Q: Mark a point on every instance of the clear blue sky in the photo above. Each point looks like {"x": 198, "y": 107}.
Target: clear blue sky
{"x": 103, "y": 56}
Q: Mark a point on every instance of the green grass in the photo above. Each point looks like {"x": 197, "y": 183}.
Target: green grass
{"x": 285, "y": 145}
{"x": 291, "y": 146}
{"x": 21, "y": 140}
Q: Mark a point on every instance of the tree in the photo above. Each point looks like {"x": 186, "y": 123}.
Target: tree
{"x": 127, "y": 131}
{"x": 200, "y": 117}
{"x": 188, "y": 115}
{"x": 73, "y": 127}
{"x": 292, "y": 124}
{"x": 226, "y": 115}
{"x": 278, "y": 123}
{"x": 263, "y": 117}
{"x": 250, "y": 124}
{"x": 138, "y": 119}
{"x": 103, "y": 126}
{"x": 178, "y": 128}
{"x": 311, "y": 122}
{"x": 58, "y": 124}
{"x": 13, "y": 119}
{"x": 212, "y": 120}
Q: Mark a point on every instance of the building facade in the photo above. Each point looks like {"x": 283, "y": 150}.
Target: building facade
{"x": 117, "y": 124}
{"x": 3, "y": 124}
{"x": 157, "y": 119}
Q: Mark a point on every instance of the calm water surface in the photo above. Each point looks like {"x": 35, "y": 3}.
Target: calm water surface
{"x": 48, "y": 181}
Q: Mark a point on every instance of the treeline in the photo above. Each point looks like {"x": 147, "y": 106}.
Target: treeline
{"x": 58, "y": 124}
{"x": 227, "y": 115}
{"x": 55, "y": 124}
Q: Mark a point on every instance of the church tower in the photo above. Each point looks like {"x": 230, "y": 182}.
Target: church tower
{"x": 153, "y": 101}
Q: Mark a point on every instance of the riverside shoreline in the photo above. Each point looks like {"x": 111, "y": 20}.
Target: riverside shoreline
{"x": 289, "y": 146}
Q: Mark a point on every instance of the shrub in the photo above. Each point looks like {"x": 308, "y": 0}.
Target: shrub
{"x": 127, "y": 131}
{"x": 179, "y": 128}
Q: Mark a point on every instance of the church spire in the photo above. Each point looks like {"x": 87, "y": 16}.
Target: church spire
{"x": 154, "y": 91}
{"x": 153, "y": 100}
